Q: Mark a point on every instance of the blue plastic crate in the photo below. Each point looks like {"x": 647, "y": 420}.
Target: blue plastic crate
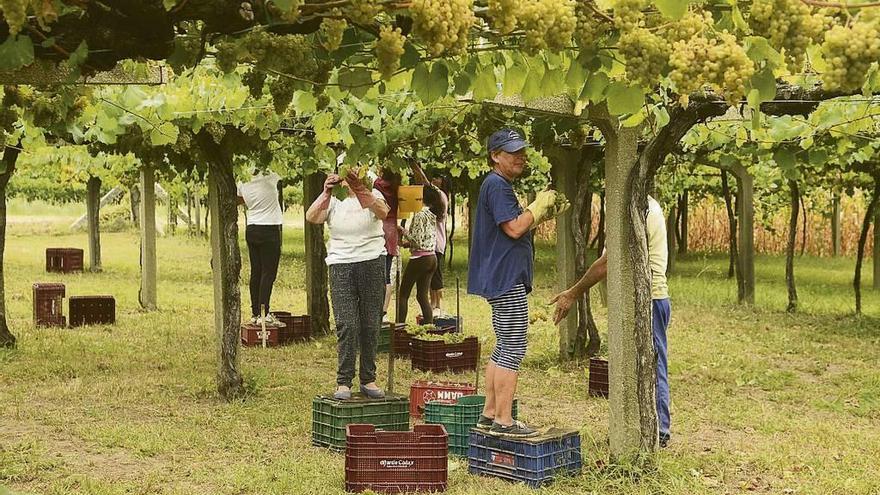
{"x": 534, "y": 461}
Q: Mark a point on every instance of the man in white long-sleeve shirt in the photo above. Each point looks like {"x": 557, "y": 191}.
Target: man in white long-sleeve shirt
{"x": 658, "y": 256}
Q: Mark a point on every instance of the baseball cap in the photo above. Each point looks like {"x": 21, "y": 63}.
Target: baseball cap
{"x": 509, "y": 140}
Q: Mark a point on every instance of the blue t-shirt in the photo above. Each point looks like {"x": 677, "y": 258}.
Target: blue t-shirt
{"x": 498, "y": 262}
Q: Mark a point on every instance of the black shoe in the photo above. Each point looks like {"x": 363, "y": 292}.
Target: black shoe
{"x": 518, "y": 429}
{"x": 484, "y": 423}
{"x": 664, "y": 440}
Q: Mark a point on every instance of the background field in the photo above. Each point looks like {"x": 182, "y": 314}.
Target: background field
{"x": 763, "y": 401}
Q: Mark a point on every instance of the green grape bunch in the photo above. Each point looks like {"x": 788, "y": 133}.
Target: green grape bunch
{"x": 692, "y": 24}
{"x": 363, "y": 11}
{"x": 849, "y": 52}
{"x": 15, "y": 14}
{"x": 503, "y": 14}
{"x": 333, "y": 31}
{"x": 628, "y": 14}
{"x": 443, "y": 24}
{"x": 646, "y": 54}
{"x": 590, "y": 29}
{"x": 789, "y": 26}
{"x": 548, "y": 24}
{"x": 281, "y": 90}
{"x": 389, "y": 49}
{"x": 719, "y": 62}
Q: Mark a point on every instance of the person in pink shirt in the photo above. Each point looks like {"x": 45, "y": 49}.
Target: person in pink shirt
{"x": 387, "y": 183}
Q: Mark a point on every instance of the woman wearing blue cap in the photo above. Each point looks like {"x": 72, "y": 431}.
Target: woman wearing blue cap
{"x": 500, "y": 270}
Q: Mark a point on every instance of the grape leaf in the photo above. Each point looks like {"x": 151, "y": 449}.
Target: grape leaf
{"x": 485, "y": 87}
{"x": 673, "y": 9}
{"x": 514, "y": 80}
{"x": 623, "y": 99}
{"x": 16, "y": 52}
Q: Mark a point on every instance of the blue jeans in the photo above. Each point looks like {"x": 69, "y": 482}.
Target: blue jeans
{"x": 661, "y": 311}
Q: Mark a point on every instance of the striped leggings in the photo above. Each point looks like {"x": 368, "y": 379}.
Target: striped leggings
{"x": 510, "y": 320}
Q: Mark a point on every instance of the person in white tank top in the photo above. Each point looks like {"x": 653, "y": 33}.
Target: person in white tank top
{"x": 263, "y": 236}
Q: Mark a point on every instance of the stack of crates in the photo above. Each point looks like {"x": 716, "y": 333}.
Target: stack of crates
{"x": 598, "y": 381}
{"x": 458, "y": 417}
{"x": 423, "y": 391}
{"x": 535, "y": 461}
{"x": 330, "y": 417}
{"x": 48, "y": 305}
{"x": 395, "y": 462}
{"x": 64, "y": 260}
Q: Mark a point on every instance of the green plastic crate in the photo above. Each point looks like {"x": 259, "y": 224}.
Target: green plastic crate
{"x": 384, "y": 338}
{"x": 458, "y": 418}
{"x": 330, "y": 417}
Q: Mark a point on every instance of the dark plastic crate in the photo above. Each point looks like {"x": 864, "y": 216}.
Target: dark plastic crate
{"x": 64, "y": 260}
{"x": 49, "y": 305}
{"x": 396, "y": 462}
{"x": 421, "y": 392}
{"x": 330, "y": 417}
{"x": 434, "y": 355}
{"x": 92, "y": 310}
{"x": 459, "y": 416}
{"x": 251, "y": 335}
{"x": 598, "y": 382}
{"x": 446, "y": 324}
{"x": 403, "y": 340}
{"x": 296, "y": 328}
{"x": 534, "y": 461}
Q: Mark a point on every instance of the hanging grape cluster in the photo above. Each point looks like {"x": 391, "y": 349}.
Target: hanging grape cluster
{"x": 849, "y": 53}
{"x": 548, "y": 24}
{"x": 14, "y": 13}
{"x": 281, "y": 89}
{"x": 789, "y": 25}
{"x": 719, "y": 62}
{"x": 333, "y": 30}
{"x": 590, "y": 29}
{"x": 503, "y": 14}
{"x": 389, "y": 49}
{"x": 692, "y": 24}
{"x": 363, "y": 11}
{"x": 646, "y": 54}
{"x": 443, "y": 24}
{"x": 254, "y": 80}
{"x": 628, "y": 14}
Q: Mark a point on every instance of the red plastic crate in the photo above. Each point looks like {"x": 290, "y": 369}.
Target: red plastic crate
{"x": 250, "y": 335}
{"x": 395, "y": 461}
{"x": 433, "y": 355}
{"x": 422, "y": 391}
{"x": 48, "y": 305}
{"x": 296, "y": 328}
{"x": 64, "y": 260}
{"x": 598, "y": 384}
{"x": 92, "y": 310}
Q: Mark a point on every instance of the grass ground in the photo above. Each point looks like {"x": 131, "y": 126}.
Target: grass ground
{"x": 763, "y": 401}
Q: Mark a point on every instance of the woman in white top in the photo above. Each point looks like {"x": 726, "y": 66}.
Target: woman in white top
{"x": 356, "y": 257}
{"x": 263, "y": 236}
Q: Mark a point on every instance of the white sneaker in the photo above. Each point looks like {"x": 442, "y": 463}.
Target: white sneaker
{"x": 255, "y": 320}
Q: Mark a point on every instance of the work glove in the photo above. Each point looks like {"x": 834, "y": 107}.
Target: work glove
{"x": 547, "y": 205}
{"x": 364, "y": 196}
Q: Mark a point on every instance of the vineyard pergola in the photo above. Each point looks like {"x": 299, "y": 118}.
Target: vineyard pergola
{"x": 318, "y": 76}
